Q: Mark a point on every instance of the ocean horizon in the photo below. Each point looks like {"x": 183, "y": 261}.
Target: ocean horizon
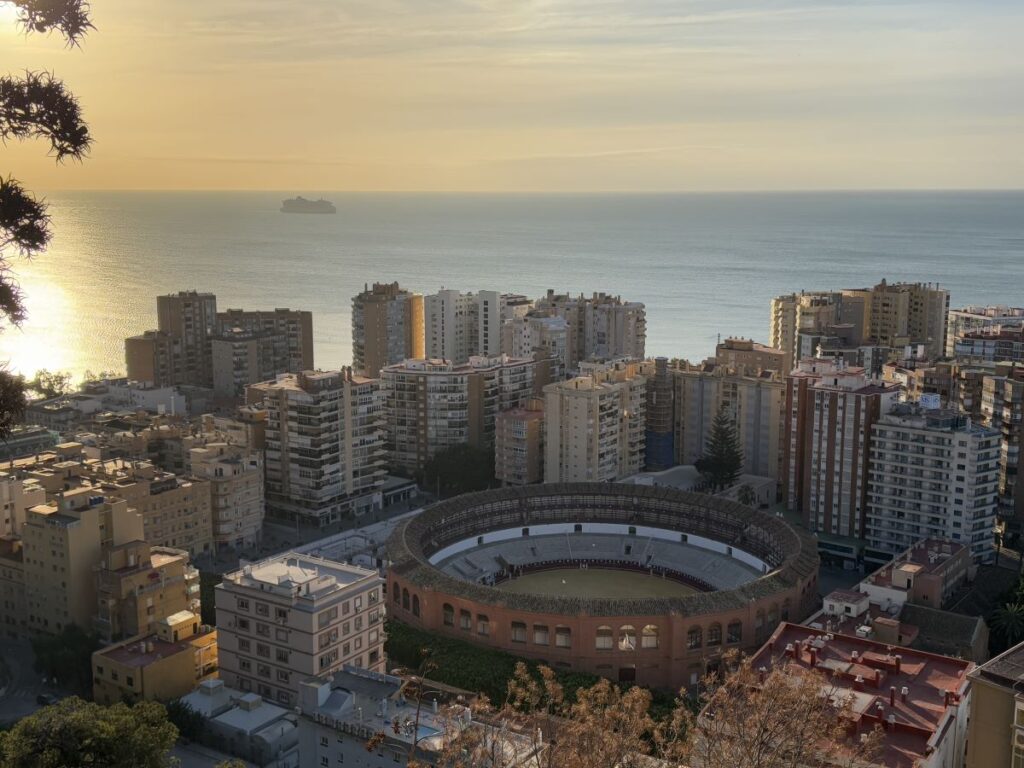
{"x": 706, "y": 264}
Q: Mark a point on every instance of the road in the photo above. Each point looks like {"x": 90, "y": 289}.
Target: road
{"x": 21, "y": 683}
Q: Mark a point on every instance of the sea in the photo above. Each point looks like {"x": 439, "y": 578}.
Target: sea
{"x": 705, "y": 265}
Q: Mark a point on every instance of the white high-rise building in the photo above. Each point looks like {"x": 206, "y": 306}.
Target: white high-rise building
{"x": 325, "y": 444}
{"x": 451, "y": 325}
{"x": 594, "y": 424}
{"x": 931, "y": 474}
{"x": 290, "y": 617}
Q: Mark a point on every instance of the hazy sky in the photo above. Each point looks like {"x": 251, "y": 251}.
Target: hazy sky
{"x": 310, "y": 95}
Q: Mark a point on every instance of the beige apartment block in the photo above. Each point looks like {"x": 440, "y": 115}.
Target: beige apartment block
{"x": 13, "y": 618}
{"x": 594, "y": 424}
{"x": 139, "y": 586}
{"x": 247, "y": 427}
{"x": 601, "y": 327}
{"x": 519, "y": 444}
{"x": 387, "y": 327}
{"x": 755, "y": 402}
{"x": 293, "y": 616}
{"x": 966, "y": 320}
{"x": 157, "y": 666}
{"x": 430, "y": 405}
{"x": 295, "y": 326}
{"x": 995, "y": 736}
{"x": 1002, "y": 409}
{"x": 325, "y": 444}
{"x": 17, "y": 496}
{"x": 237, "y": 506}
{"x": 63, "y": 541}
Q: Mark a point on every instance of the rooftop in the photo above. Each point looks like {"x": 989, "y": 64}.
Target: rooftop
{"x": 928, "y": 556}
{"x": 913, "y": 694}
{"x": 296, "y": 575}
{"x": 142, "y": 651}
{"x": 1006, "y": 669}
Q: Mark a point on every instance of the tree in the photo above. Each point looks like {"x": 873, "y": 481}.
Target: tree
{"x": 74, "y": 732}
{"x": 34, "y": 105}
{"x": 67, "y": 657}
{"x": 459, "y": 469}
{"x": 49, "y": 385}
{"x": 191, "y": 725}
{"x": 723, "y": 458}
{"x": 1008, "y": 623}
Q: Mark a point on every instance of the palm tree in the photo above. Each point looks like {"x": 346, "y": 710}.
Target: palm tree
{"x": 1008, "y": 622}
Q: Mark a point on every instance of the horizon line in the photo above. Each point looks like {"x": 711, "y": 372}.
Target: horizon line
{"x": 580, "y": 193}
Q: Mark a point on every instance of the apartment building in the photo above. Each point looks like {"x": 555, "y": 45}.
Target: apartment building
{"x": 13, "y": 617}
{"x": 659, "y": 434}
{"x": 237, "y": 504}
{"x": 138, "y": 586}
{"x": 387, "y": 328}
{"x": 932, "y": 473}
{"x": 755, "y": 402}
{"x": 62, "y": 542}
{"x": 451, "y": 326}
{"x": 752, "y": 357}
{"x": 294, "y": 325}
{"x": 17, "y": 495}
{"x": 293, "y": 616}
{"x": 976, "y": 318}
{"x": 26, "y": 439}
{"x": 526, "y": 336}
{"x": 519, "y": 444}
{"x": 246, "y": 428}
{"x": 992, "y": 345}
{"x": 595, "y": 424}
{"x": 1002, "y": 409}
{"x": 797, "y": 313}
{"x": 159, "y": 666}
{"x": 241, "y": 357}
{"x": 601, "y": 327}
{"x": 829, "y": 410}
{"x": 434, "y": 404}
{"x": 325, "y": 445}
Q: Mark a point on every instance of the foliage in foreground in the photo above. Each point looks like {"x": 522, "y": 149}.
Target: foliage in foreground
{"x": 749, "y": 720}
{"x": 74, "y": 732}
{"x": 67, "y": 657}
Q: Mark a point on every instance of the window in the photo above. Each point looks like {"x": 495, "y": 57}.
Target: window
{"x": 242, "y": 605}
{"x": 245, "y": 665}
{"x": 262, "y": 609}
{"x": 415, "y": 608}
{"x": 734, "y": 633}
{"x": 627, "y": 637}
{"x": 540, "y": 634}
{"x": 282, "y": 676}
{"x": 326, "y": 617}
{"x": 358, "y": 602}
{"x": 244, "y": 645}
{"x": 563, "y": 637}
{"x": 262, "y": 650}
{"x": 281, "y": 614}
{"x": 282, "y": 635}
{"x": 518, "y": 632}
{"x": 395, "y": 592}
{"x": 262, "y": 629}
{"x": 405, "y": 599}
{"x": 324, "y": 742}
{"x": 694, "y": 638}
{"x": 465, "y": 620}
{"x": 449, "y": 615}
{"x": 130, "y": 681}
{"x": 483, "y": 626}
{"x": 649, "y": 638}
{"x": 243, "y": 624}
{"x": 263, "y": 670}
{"x": 714, "y": 634}
{"x": 281, "y": 656}
{"x": 603, "y": 640}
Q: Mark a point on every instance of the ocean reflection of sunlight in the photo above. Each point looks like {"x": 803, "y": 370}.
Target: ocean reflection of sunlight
{"x": 42, "y": 342}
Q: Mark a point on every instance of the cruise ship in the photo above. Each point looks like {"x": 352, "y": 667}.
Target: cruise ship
{"x": 302, "y": 205}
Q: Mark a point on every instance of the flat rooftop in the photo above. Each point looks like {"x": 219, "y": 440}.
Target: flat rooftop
{"x": 868, "y": 670}
{"x": 927, "y": 556}
{"x": 1006, "y": 669}
{"x": 143, "y": 651}
{"x": 299, "y": 575}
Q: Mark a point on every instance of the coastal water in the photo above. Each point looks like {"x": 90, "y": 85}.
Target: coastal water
{"x": 704, "y": 264}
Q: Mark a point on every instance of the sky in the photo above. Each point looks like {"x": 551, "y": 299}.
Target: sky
{"x": 537, "y": 95}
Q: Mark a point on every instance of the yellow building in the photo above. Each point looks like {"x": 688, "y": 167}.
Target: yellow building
{"x": 996, "y": 733}
{"x": 12, "y": 587}
{"x": 235, "y": 475}
{"x": 160, "y": 666}
{"x": 139, "y": 586}
{"x": 62, "y": 543}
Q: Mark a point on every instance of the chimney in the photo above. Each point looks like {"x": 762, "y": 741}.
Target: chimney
{"x": 878, "y": 678}
{"x": 791, "y": 650}
{"x": 892, "y": 696}
{"x": 899, "y": 660}
{"x": 814, "y": 656}
{"x": 904, "y": 693}
{"x": 858, "y": 683}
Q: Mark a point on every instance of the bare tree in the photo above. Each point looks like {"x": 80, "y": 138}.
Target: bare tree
{"x": 34, "y": 105}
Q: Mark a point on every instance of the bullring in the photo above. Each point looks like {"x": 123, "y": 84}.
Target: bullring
{"x": 739, "y": 573}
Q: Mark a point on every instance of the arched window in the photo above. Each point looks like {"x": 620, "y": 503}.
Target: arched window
{"x": 603, "y": 641}
{"x": 483, "y": 625}
{"x": 649, "y": 638}
{"x": 405, "y": 599}
{"x": 465, "y": 620}
{"x": 773, "y": 618}
{"x": 627, "y": 637}
{"x": 518, "y": 632}
{"x": 785, "y": 609}
{"x": 563, "y": 637}
{"x": 714, "y": 635}
{"x": 734, "y": 632}
{"x": 415, "y": 605}
{"x": 396, "y": 592}
{"x": 694, "y": 638}
{"x": 449, "y": 615}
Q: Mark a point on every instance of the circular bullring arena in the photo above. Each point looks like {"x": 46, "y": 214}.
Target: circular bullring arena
{"x": 636, "y": 583}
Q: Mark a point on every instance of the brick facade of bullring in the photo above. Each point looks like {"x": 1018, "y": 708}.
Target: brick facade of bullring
{"x": 657, "y": 642}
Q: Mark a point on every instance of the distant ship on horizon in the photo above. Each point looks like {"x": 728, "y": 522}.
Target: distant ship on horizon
{"x": 302, "y": 205}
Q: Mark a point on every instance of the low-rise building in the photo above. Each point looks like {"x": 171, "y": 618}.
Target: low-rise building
{"x": 920, "y": 700}
{"x": 750, "y": 356}
{"x": 25, "y": 440}
{"x": 161, "y": 666}
{"x": 292, "y": 616}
